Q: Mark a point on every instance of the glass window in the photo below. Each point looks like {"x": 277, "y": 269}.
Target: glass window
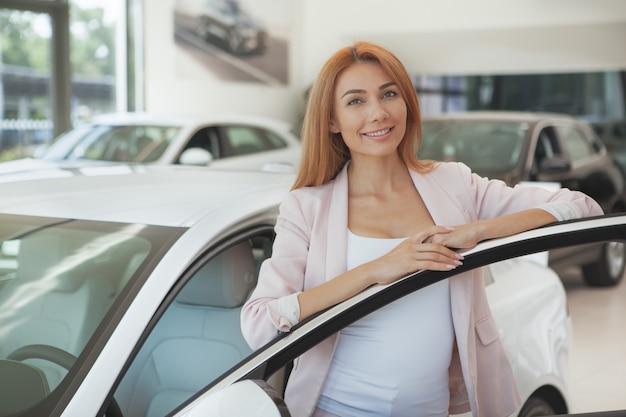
{"x": 576, "y": 142}
{"x": 243, "y": 140}
{"x": 25, "y": 102}
{"x": 94, "y": 54}
{"x": 488, "y": 147}
{"x": 208, "y": 139}
{"x": 58, "y": 280}
{"x": 142, "y": 143}
{"x": 31, "y": 112}
{"x": 198, "y": 338}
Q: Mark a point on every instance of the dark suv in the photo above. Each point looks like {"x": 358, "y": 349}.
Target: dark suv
{"x": 538, "y": 147}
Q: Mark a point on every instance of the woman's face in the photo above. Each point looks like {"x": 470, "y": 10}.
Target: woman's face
{"x": 369, "y": 111}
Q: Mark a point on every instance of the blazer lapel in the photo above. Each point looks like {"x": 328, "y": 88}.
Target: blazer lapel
{"x": 337, "y": 237}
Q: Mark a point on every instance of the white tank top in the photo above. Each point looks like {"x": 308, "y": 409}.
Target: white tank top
{"x": 393, "y": 362}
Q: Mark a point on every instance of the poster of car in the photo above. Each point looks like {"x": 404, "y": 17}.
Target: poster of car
{"x": 233, "y": 40}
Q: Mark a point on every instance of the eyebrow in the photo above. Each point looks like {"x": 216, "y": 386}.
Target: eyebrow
{"x": 358, "y": 91}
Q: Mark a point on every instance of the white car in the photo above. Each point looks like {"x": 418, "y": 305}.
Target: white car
{"x": 221, "y": 141}
{"x": 120, "y": 294}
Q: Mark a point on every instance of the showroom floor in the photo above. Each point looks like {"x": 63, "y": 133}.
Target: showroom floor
{"x": 598, "y": 359}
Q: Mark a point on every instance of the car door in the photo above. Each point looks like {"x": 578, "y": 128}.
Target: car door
{"x": 591, "y": 170}
{"x": 224, "y": 396}
{"x": 196, "y": 336}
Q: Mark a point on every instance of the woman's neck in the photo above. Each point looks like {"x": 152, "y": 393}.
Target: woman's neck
{"x": 375, "y": 176}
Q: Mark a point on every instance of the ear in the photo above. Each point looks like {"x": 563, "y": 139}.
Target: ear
{"x": 334, "y": 127}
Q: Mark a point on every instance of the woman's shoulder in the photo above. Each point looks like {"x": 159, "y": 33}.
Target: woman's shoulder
{"x": 307, "y": 200}
{"x": 442, "y": 169}
{"x": 311, "y": 192}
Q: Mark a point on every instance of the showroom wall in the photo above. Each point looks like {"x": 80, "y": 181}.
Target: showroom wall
{"x": 431, "y": 37}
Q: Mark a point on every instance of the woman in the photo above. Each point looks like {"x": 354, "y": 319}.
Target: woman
{"x": 365, "y": 211}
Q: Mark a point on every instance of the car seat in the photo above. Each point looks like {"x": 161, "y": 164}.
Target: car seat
{"x": 197, "y": 339}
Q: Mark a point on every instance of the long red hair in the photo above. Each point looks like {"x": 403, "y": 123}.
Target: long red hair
{"x": 324, "y": 153}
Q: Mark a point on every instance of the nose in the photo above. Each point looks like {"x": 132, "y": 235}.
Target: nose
{"x": 378, "y": 111}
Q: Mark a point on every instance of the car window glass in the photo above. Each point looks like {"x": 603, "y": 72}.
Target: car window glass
{"x": 56, "y": 286}
{"x": 275, "y": 140}
{"x": 62, "y": 147}
{"x": 486, "y": 146}
{"x": 150, "y": 144}
{"x": 547, "y": 146}
{"x": 206, "y": 138}
{"x": 198, "y": 337}
{"x": 243, "y": 140}
{"x": 578, "y": 145}
{"x": 124, "y": 143}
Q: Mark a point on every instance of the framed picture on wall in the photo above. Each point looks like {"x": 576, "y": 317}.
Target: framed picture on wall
{"x": 233, "y": 40}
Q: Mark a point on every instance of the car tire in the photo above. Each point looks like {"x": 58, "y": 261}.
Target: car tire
{"x": 535, "y": 407}
{"x": 608, "y": 271}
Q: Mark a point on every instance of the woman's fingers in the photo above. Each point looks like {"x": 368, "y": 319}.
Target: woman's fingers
{"x": 427, "y": 234}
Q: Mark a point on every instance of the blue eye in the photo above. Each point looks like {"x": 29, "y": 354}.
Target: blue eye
{"x": 390, "y": 93}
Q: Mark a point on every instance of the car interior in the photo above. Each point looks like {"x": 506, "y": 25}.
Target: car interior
{"x": 198, "y": 338}
{"x": 63, "y": 284}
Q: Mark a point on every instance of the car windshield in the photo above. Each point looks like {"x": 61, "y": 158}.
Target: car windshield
{"x": 62, "y": 285}
{"x": 118, "y": 143}
{"x": 488, "y": 147}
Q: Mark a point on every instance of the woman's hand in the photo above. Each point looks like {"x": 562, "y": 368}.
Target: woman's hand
{"x": 464, "y": 236}
{"x": 413, "y": 254}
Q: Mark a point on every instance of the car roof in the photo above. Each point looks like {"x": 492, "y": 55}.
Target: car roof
{"x": 168, "y": 195}
{"x": 166, "y": 119}
{"x": 519, "y": 116}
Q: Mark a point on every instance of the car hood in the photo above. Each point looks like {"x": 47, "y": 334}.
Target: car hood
{"x": 32, "y": 168}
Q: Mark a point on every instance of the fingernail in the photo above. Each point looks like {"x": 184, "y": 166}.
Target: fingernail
{"x": 459, "y": 256}
{"x": 458, "y": 263}
{"x": 450, "y": 228}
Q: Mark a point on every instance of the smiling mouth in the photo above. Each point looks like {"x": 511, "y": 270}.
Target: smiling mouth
{"x": 378, "y": 133}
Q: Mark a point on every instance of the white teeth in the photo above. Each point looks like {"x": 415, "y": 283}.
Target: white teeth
{"x": 379, "y": 133}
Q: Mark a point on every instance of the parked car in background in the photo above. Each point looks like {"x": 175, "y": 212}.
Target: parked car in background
{"x": 120, "y": 294}
{"x": 538, "y": 147}
{"x": 225, "y": 142}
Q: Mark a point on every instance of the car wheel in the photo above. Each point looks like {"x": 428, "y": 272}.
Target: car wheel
{"x": 535, "y": 407}
{"x": 609, "y": 269}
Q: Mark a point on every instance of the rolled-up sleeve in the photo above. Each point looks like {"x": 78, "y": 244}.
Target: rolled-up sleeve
{"x": 271, "y": 308}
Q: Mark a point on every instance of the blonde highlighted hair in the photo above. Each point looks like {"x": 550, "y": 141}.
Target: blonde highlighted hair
{"x": 324, "y": 153}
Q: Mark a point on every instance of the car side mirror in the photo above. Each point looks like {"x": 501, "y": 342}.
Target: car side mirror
{"x": 195, "y": 156}
{"x": 554, "y": 164}
{"x": 244, "y": 398}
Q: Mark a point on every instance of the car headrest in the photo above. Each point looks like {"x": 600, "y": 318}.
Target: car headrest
{"x": 226, "y": 281}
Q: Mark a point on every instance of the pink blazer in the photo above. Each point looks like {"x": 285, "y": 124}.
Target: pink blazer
{"x": 310, "y": 248}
